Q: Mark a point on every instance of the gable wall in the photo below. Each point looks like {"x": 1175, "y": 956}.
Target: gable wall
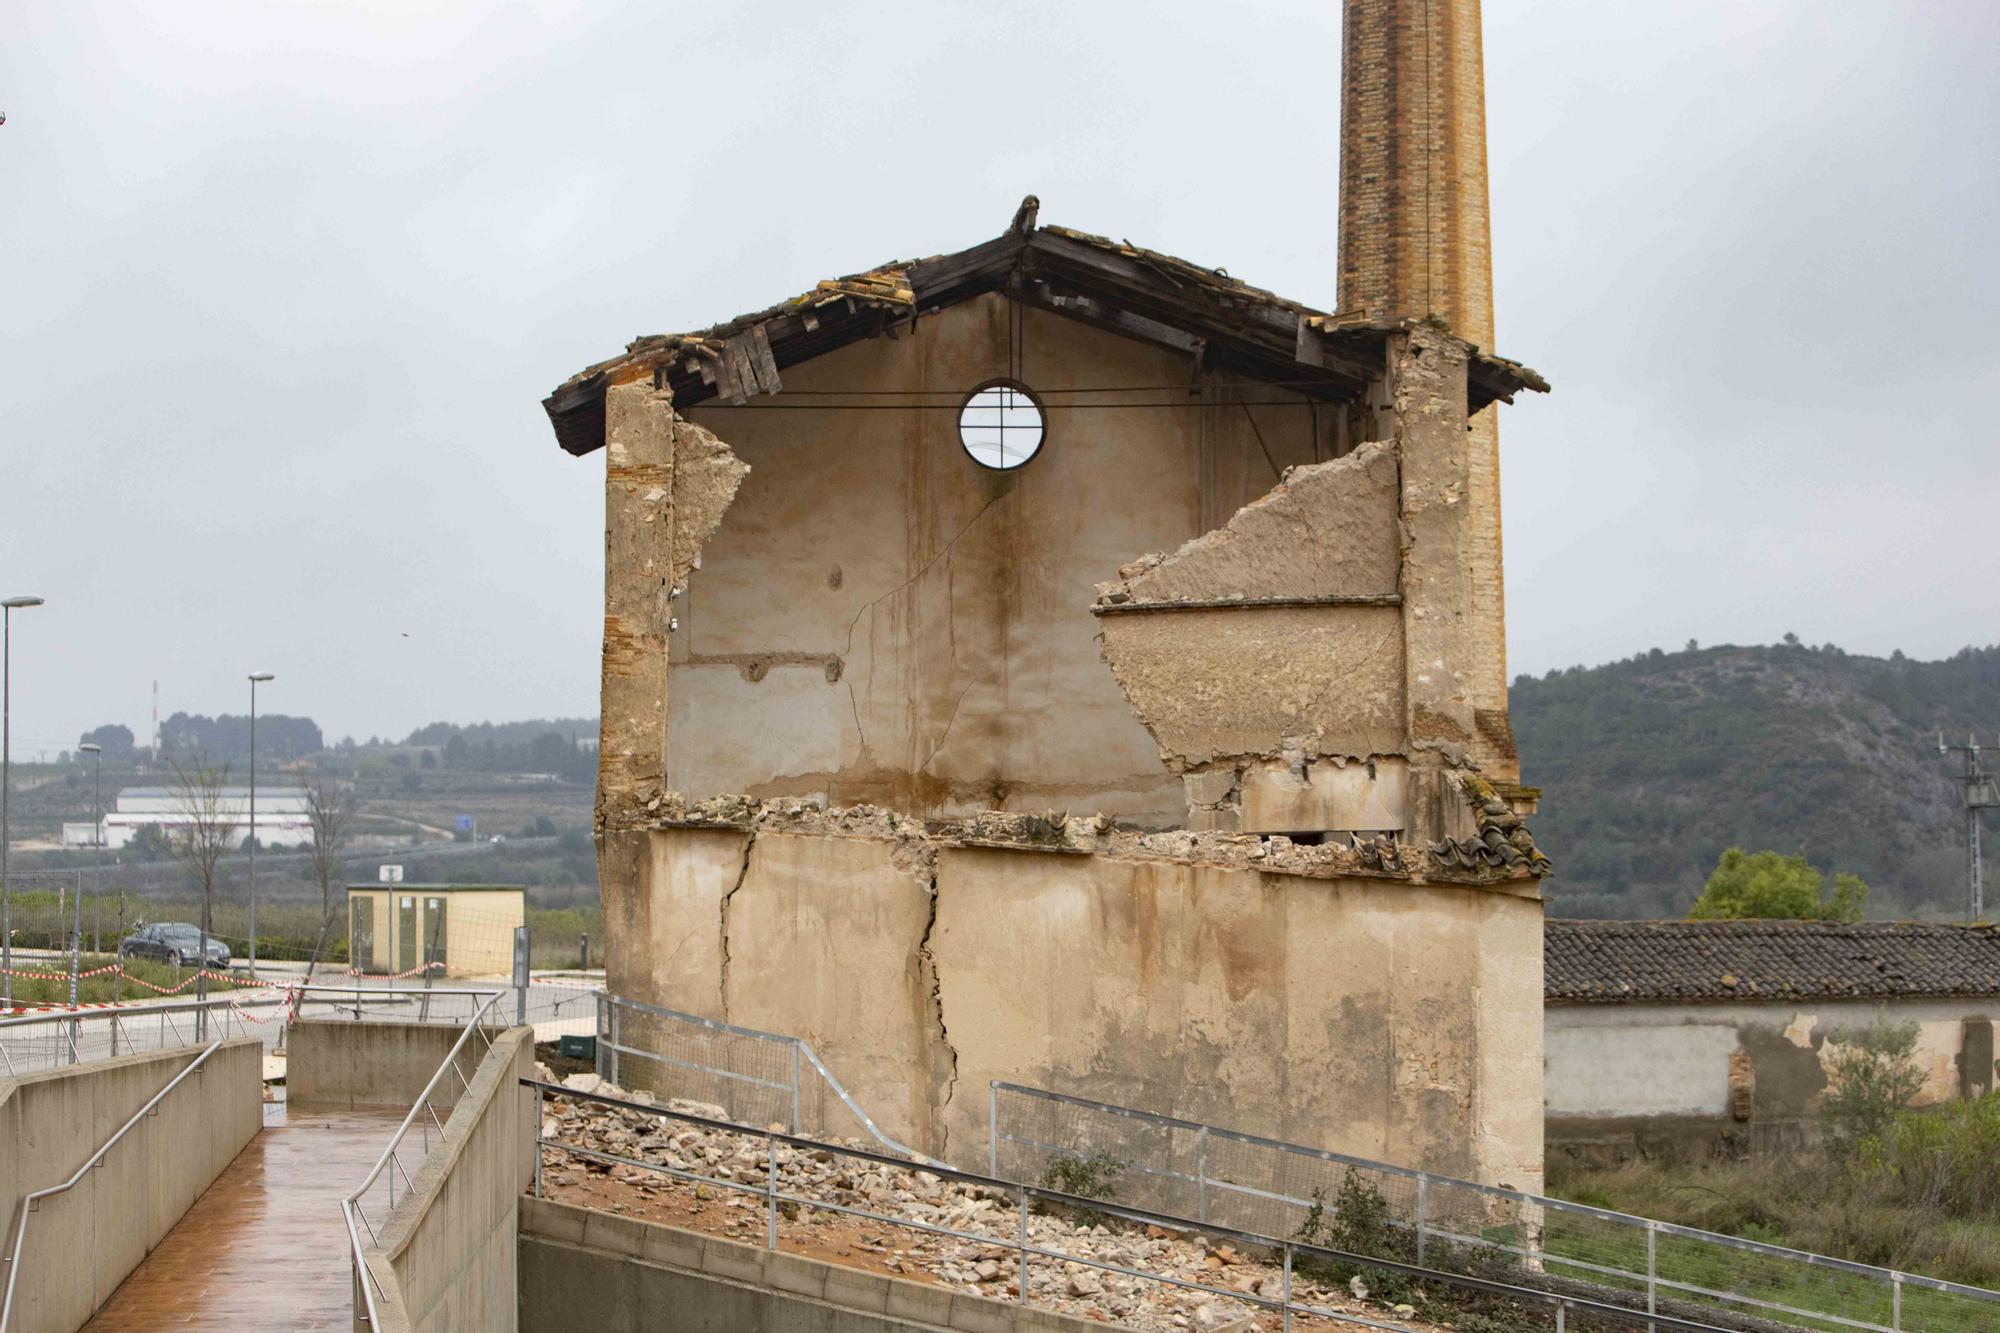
{"x": 879, "y": 619}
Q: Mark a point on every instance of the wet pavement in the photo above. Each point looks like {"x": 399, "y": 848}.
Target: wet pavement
{"x": 265, "y": 1247}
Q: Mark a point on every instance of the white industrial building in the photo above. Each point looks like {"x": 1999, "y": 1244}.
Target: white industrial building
{"x": 281, "y": 816}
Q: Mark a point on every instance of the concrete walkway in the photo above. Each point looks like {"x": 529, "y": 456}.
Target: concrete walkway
{"x": 265, "y": 1247}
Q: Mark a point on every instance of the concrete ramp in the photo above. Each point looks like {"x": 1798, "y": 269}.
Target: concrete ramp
{"x": 264, "y": 1247}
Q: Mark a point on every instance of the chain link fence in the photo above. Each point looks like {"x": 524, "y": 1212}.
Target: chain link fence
{"x": 1293, "y": 1193}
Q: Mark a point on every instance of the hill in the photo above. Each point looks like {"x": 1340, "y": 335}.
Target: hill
{"x": 1650, "y": 767}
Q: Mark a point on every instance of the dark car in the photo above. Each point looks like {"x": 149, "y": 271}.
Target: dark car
{"x": 173, "y": 942}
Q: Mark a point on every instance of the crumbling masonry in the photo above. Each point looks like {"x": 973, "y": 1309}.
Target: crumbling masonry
{"x": 927, "y": 761}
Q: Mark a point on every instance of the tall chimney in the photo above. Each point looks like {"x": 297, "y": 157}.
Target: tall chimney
{"x": 1416, "y": 243}
{"x": 1414, "y": 236}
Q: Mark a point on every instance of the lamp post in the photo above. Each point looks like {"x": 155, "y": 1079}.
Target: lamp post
{"x": 256, "y": 678}
{"x": 96, "y": 752}
{"x": 8, "y": 606}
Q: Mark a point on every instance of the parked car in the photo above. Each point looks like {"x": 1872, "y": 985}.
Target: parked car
{"x": 174, "y": 942}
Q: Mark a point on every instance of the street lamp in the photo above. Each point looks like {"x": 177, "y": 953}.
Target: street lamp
{"x": 96, "y": 752}
{"x": 8, "y": 606}
{"x": 256, "y": 678}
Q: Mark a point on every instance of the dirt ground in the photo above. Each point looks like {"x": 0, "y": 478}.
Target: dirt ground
{"x": 903, "y": 1252}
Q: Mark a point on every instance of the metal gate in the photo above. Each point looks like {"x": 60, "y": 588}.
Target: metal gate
{"x": 406, "y": 933}
{"x": 434, "y": 924}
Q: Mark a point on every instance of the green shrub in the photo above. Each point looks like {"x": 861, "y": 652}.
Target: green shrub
{"x": 1087, "y": 1176}
{"x": 1873, "y": 1076}
{"x": 1358, "y": 1221}
{"x": 1943, "y": 1159}
{"x": 1767, "y": 885}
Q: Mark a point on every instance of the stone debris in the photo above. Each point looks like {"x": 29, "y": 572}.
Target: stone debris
{"x": 984, "y": 1266}
{"x": 918, "y": 841}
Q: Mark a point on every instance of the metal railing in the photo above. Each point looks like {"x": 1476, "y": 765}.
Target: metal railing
{"x": 1026, "y": 1198}
{"x": 1282, "y": 1189}
{"x": 390, "y": 1165}
{"x": 53, "y": 1038}
{"x": 757, "y": 1078}
{"x": 29, "y": 1201}
{"x": 61, "y": 1037}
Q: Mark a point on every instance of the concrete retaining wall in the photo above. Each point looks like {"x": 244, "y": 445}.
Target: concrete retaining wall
{"x": 332, "y": 1062}
{"x": 446, "y": 1255}
{"x": 80, "y": 1245}
{"x": 584, "y": 1269}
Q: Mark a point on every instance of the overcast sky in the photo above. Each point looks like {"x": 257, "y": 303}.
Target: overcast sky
{"x": 282, "y": 285}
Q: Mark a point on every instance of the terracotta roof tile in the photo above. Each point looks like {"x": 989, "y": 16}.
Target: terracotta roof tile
{"x": 1605, "y": 962}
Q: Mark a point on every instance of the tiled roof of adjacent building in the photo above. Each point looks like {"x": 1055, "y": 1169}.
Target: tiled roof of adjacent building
{"x": 1608, "y": 962}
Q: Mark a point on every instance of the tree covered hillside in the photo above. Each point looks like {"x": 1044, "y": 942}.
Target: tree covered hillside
{"x": 1650, "y": 768}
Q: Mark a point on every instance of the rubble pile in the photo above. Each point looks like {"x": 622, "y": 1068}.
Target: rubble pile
{"x": 982, "y": 1267}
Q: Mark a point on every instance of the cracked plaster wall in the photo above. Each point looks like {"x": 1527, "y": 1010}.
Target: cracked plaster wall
{"x": 667, "y": 482}
{"x": 1686, "y": 1080}
{"x": 881, "y": 619}
{"x": 1391, "y": 1018}
{"x": 1336, "y": 618}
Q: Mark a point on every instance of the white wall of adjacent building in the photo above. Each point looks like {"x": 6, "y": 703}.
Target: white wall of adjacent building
{"x": 1640, "y": 1059}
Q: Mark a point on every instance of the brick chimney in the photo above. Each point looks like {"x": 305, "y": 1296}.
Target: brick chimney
{"x": 1414, "y": 238}
{"x": 1415, "y": 242}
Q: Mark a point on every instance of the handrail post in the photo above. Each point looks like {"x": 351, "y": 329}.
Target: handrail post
{"x": 1021, "y": 1248}
{"x": 1287, "y": 1291}
{"x": 771, "y": 1193}
{"x": 614, "y": 1045}
{"x": 600, "y": 1032}
{"x": 537, "y": 1136}
{"x": 1896, "y": 1301}
{"x": 1423, "y": 1192}
{"x": 1201, "y": 1175}
{"x": 1652, "y": 1272}
{"x": 795, "y": 1085}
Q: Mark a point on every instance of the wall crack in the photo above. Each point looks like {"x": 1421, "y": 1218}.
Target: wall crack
{"x": 927, "y": 964}
{"x": 742, "y": 873}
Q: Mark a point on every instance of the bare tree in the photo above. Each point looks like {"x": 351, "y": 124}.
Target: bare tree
{"x": 207, "y": 829}
{"x": 331, "y": 812}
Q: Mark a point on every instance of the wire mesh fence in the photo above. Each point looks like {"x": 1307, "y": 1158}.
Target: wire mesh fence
{"x": 1036, "y": 1245}
{"x": 1289, "y": 1192}
{"x": 755, "y": 1078}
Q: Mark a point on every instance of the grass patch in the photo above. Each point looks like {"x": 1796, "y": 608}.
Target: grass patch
{"x": 1916, "y": 1198}
{"x": 554, "y": 934}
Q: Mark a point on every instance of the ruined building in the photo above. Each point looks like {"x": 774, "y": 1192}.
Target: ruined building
{"x": 1060, "y": 662}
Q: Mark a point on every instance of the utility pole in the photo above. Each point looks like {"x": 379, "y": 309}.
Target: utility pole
{"x": 256, "y": 678}
{"x": 7, "y": 609}
{"x": 1980, "y": 794}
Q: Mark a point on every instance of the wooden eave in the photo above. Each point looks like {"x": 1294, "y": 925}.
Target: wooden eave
{"x": 1222, "y": 324}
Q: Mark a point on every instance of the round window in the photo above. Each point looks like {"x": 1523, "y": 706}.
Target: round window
{"x": 1001, "y": 424}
